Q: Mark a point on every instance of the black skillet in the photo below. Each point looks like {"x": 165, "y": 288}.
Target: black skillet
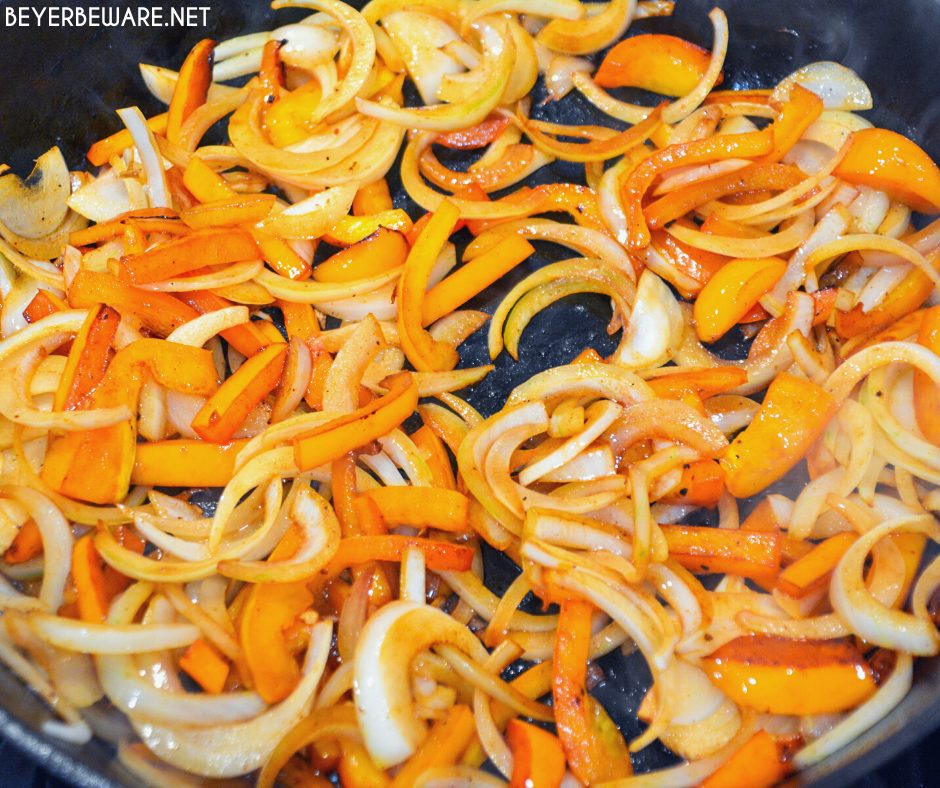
{"x": 60, "y": 86}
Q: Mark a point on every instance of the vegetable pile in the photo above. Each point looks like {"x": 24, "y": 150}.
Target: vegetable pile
{"x": 259, "y": 319}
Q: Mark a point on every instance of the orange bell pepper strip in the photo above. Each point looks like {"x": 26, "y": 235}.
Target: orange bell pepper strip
{"x": 696, "y": 264}
{"x": 356, "y": 767}
{"x": 424, "y": 352}
{"x": 192, "y": 87}
{"x": 717, "y": 148}
{"x": 758, "y": 764}
{"x": 381, "y": 251}
{"x": 225, "y": 411}
{"x": 88, "y": 576}
{"x": 596, "y": 150}
{"x": 351, "y": 229}
{"x": 248, "y": 338}
{"x": 926, "y": 392}
{"x": 88, "y": 358}
{"x": 279, "y": 254}
{"x": 593, "y": 746}
{"x": 204, "y": 183}
{"x": 657, "y": 63}
{"x": 474, "y": 137}
{"x": 271, "y": 71}
{"x": 206, "y": 666}
{"x": 422, "y": 507}
{"x": 715, "y": 225}
{"x": 357, "y": 550}
{"x": 538, "y": 761}
{"x": 756, "y": 96}
{"x": 799, "y": 112}
{"x": 368, "y": 516}
{"x": 473, "y": 277}
{"x": 374, "y": 197}
{"x": 732, "y": 292}
{"x": 229, "y": 211}
{"x": 332, "y": 440}
{"x": 781, "y": 676}
{"x": 160, "y": 313}
{"x": 42, "y": 305}
{"x": 269, "y": 610}
{"x": 702, "y": 484}
{"x": 754, "y": 177}
{"x": 345, "y": 490}
{"x": 300, "y": 321}
{"x": 180, "y": 196}
{"x": 813, "y": 570}
{"x": 705, "y": 550}
{"x": 105, "y": 149}
{"x": 185, "y": 462}
{"x": 445, "y": 743}
{"x": 792, "y": 416}
{"x": 579, "y": 202}
{"x": 894, "y": 164}
{"x": 436, "y": 456}
{"x": 116, "y": 227}
{"x": 704, "y": 383}
{"x": 185, "y": 254}
{"x": 96, "y": 465}
{"x": 26, "y": 545}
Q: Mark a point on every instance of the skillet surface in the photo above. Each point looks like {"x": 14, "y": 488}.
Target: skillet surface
{"x": 61, "y": 84}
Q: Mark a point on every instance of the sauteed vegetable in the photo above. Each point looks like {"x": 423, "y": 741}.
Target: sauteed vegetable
{"x": 258, "y": 318}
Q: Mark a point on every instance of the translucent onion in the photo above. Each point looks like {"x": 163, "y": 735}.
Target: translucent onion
{"x": 158, "y": 191}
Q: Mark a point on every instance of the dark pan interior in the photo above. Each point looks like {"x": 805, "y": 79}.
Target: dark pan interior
{"x": 60, "y": 86}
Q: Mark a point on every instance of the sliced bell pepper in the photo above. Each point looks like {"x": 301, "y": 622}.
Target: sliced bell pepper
{"x": 185, "y": 462}
{"x": 356, "y": 767}
{"x": 657, "y": 63}
{"x": 717, "y": 148}
{"x": 88, "y": 358}
{"x": 351, "y": 229}
{"x": 160, "y": 313}
{"x": 206, "y": 666}
{"x": 703, "y": 382}
{"x": 473, "y": 277}
{"x": 474, "y": 137}
{"x": 229, "y": 211}
{"x": 269, "y": 610}
{"x": 288, "y": 120}
{"x": 926, "y": 392}
{"x": 435, "y": 454}
{"x": 702, "y": 484}
{"x": 42, "y": 305}
{"x": 424, "y": 352}
{"x": 445, "y": 743}
{"x": 368, "y": 517}
{"x": 104, "y": 150}
{"x": 248, "y": 338}
{"x": 754, "y": 177}
{"x": 593, "y": 746}
{"x": 189, "y": 252}
{"x": 88, "y": 575}
{"x": 813, "y": 570}
{"x": 782, "y": 676}
{"x": 204, "y": 183}
{"x": 368, "y": 423}
{"x": 792, "y": 416}
{"x": 755, "y": 96}
{"x": 374, "y": 198}
{"x": 758, "y": 764}
{"x": 422, "y": 507}
{"x": 734, "y": 290}
{"x": 26, "y": 545}
{"x": 888, "y": 161}
{"x": 696, "y": 264}
{"x": 96, "y": 465}
{"x": 538, "y": 760}
{"x": 149, "y": 220}
{"x": 707, "y": 550}
{"x": 279, "y": 254}
{"x": 192, "y": 87}
{"x": 381, "y": 251}
{"x": 225, "y": 411}
{"x": 797, "y": 114}
{"x": 438, "y": 555}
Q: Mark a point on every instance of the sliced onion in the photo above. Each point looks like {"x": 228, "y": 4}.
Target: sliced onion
{"x": 839, "y": 87}
{"x": 158, "y": 191}
{"x": 655, "y": 329}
